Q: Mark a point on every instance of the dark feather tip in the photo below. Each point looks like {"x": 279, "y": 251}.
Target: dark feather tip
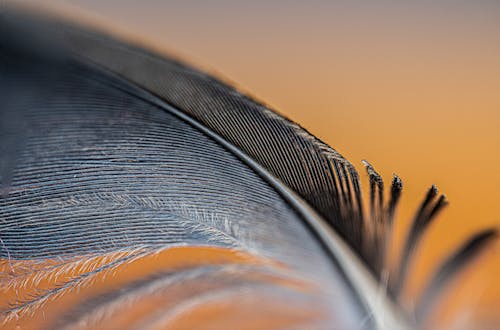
{"x": 450, "y": 267}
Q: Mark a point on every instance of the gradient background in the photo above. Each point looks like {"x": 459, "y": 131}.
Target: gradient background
{"x": 411, "y": 86}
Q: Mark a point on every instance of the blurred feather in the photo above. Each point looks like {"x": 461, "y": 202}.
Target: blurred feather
{"x": 107, "y": 148}
{"x": 450, "y": 267}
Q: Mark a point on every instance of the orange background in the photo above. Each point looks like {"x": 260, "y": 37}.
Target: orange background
{"x": 411, "y": 86}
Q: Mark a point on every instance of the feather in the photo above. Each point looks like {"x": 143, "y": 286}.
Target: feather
{"x": 426, "y": 213}
{"x": 107, "y": 147}
{"x": 450, "y": 267}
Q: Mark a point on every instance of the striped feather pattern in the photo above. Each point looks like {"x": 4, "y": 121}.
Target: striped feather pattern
{"x": 114, "y": 159}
